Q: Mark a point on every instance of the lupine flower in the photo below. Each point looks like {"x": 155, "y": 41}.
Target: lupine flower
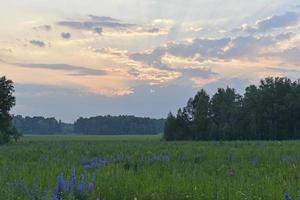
{"x": 120, "y": 158}
{"x": 62, "y": 189}
{"x": 255, "y": 162}
{"x": 73, "y": 178}
{"x": 82, "y": 185}
{"x": 60, "y": 184}
{"x": 290, "y": 159}
{"x": 71, "y": 184}
{"x": 34, "y": 192}
{"x": 19, "y": 185}
{"x": 95, "y": 163}
{"x": 91, "y": 187}
{"x": 54, "y": 197}
{"x": 156, "y": 158}
{"x": 287, "y": 196}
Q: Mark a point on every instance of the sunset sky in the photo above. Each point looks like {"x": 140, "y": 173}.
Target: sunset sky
{"x": 72, "y": 58}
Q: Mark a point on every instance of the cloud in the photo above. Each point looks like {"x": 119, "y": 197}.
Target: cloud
{"x": 37, "y": 43}
{"x": 43, "y": 27}
{"x": 290, "y": 55}
{"x": 198, "y": 72}
{"x": 93, "y": 24}
{"x": 98, "y": 30}
{"x": 103, "y": 18}
{"x": 281, "y": 69}
{"x": 96, "y": 23}
{"x": 203, "y": 49}
{"x": 6, "y": 50}
{"x": 154, "y": 30}
{"x": 108, "y": 51}
{"x": 114, "y": 27}
{"x": 273, "y": 22}
{"x": 152, "y": 58}
{"x": 73, "y": 69}
{"x": 247, "y": 47}
{"x": 66, "y": 35}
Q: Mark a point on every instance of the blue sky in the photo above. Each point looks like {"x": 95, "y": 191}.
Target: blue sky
{"x": 83, "y": 58}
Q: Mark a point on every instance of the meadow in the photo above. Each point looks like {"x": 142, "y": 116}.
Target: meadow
{"x": 147, "y": 168}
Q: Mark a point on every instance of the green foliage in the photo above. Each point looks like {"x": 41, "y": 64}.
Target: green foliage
{"x": 195, "y": 170}
{"x": 269, "y": 111}
{"x": 101, "y": 125}
{"x": 7, "y": 101}
{"x": 118, "y": 125}
{"x": 41, "y": 125}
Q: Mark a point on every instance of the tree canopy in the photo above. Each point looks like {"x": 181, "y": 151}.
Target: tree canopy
{"x": 116, "y": 125}
{"x": 100, "y": 125}
{"x": 269, "y": 111}
{"x": 41, "y": 125}
{"x": 7, "y": 101}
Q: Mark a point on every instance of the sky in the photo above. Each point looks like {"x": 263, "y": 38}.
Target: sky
{"x": 73, "y": 58}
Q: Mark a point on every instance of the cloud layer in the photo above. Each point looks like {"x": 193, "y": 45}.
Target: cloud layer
{"x": 72, "y": 70}
{"x": 135, "y": 53}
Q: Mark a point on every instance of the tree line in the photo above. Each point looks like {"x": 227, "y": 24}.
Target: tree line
{"x": 116, "y": 125}
{"x": 41, "y": 125}
{"x": 269, "y": 111}
{"x": 100, "y": 125}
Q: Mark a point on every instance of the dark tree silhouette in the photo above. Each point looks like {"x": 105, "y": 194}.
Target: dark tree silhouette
{"x": 270, "y": 111}
{"x": 101, "y": 125}
{"x": 7, "y": 101}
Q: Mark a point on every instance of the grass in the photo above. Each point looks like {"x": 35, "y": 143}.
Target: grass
{"x": 145, "y": 167}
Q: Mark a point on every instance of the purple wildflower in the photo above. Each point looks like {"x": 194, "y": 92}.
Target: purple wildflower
{"x": 287, "y": 196}
{"x": 82, "y": 185}
{"x": 91, "y": 187}
{"x": 54, "y": 197}
{"x": 60, "y": 184}
{"x": 34, "y": 193}
{"x": 93, "y": 164}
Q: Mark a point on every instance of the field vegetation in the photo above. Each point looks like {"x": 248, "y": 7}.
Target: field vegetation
{"x": 145, "y": 167}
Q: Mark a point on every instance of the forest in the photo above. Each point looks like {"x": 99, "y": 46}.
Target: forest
{"x": 41, "y": 125}
{"x": 101, "y": 125}
{"x": 116, "y": 125}
{"x": 269, "y": 111}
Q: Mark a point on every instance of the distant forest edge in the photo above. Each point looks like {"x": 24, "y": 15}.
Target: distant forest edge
{"x": 269, "y": 111}
{"x": 100, "y": 125}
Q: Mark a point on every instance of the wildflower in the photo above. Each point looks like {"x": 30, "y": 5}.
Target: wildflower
{"x": 71, "y": 185}
{"x": 287, "y": 196}
{"x": 91, "y": 187}
{"x": 60, "y": 184}
{"x": 54, "y": 197}
{"x": 82, "y": 185}
{"x": 95, "y": 163}
{"x": 255, "y": 162}
{"x": 34, "y": 192}
{"x": 73, "y": 176}
{"x": 291, "y": 159}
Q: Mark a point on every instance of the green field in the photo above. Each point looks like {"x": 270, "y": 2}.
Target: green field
{"x": 145, "y": 167}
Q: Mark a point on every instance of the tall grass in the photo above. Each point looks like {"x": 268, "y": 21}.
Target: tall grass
{"x": 144, "y": 167}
